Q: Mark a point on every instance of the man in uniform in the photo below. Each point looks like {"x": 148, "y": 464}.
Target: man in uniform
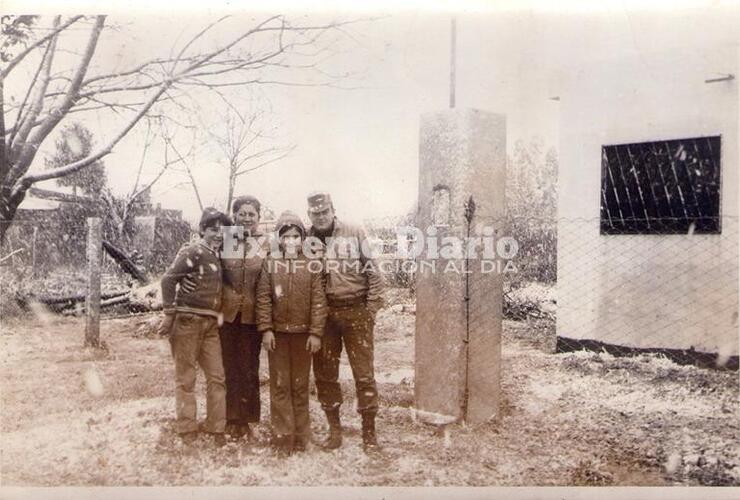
{"x": 354, "y": 296}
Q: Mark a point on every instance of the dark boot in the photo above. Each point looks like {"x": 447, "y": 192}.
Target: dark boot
{"x": 299, "y": 444}
{"x": 247, "y": 432}
{"x": 283, "y": 445}
{"x": 334, "y": 440}
{"x": 219, "y": 439}
{"x": 241, "y": 430}
{"x": 369, "y": 438}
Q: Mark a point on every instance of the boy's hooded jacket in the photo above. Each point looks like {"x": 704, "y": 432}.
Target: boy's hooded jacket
{"x": 290, "y": 292}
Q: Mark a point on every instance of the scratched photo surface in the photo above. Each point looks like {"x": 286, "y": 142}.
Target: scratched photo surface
{"x": 302, "y": 245}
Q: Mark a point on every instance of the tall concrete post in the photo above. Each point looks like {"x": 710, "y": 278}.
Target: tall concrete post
{"x": 462, "y": 167}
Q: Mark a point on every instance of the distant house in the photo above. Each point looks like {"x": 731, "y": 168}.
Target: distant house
{"x": 648, "y": 205}
{"x": 50, "y": 230}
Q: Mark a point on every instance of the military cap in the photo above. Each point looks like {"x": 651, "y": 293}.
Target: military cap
{"x": 319, "y": 201}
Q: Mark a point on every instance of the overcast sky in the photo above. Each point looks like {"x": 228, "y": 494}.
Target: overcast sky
{"x": 361, "y": 145}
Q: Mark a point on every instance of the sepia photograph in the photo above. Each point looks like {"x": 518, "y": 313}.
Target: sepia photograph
{"x": 413, "y": 247}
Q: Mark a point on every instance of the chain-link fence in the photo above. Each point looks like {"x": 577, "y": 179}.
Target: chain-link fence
{"x": 43, "y": 261}
{"x": 47, "y": 265}
{"x": 577, "y": 286}
{"x": 654, "y": 291}
{"x": 573, "y": 284}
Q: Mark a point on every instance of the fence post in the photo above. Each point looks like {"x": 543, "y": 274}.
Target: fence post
{"x": 92, "y": 302}
{"x": 33, "y": 251}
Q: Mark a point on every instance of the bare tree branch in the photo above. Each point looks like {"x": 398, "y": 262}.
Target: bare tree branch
{"x": 27, "y": 180}
{"x": 132, "y": 71}
{"x": 200, "y": 62}
{"x": 144, "y": 150}
{"x": 19, "y": 145}
{"x": 286, "y": 152}
{"x": 40, "y": 133}
{"x": 168, "y": 143}
{"x": 185, "y": 76}
{"x": 165, "y": 166}
{"x": 239, "y": 142}
{"x": 19, "y": 116}
{"x": 17, "y": 59}
{"x": 194, "y": 39}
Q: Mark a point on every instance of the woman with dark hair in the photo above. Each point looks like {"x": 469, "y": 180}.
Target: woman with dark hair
{"x": 240, "y": 341}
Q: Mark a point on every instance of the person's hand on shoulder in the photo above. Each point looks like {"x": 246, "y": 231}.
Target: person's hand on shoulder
{"x": 188, "y": 284}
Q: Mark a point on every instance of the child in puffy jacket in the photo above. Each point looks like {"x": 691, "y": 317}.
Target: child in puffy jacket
{"x": 291, "y": 315}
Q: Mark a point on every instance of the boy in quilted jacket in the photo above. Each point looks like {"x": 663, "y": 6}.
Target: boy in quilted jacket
{"x": 191, "y": 321}
{"x": 291, "y": 315}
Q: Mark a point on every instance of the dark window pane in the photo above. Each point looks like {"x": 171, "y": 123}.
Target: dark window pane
{"x": 661, "y": 187}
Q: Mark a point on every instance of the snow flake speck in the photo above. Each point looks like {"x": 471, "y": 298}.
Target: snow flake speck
{"x": 41, "y": 313}
{"x": 673, "y": 463}
{"x": 93, "y": 383}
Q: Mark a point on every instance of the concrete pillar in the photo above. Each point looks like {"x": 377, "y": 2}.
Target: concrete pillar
{"x": 462, "y": 165}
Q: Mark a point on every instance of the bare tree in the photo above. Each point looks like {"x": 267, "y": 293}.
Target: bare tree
{"x": 185, "y": 164}
{"x": 120, "y": 209}
{"x": 531, "y": 209}
{"x": 246, "y": 146}
{"x": 265, "y": 52}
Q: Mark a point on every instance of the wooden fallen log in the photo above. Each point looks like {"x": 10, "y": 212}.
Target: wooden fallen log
{"x": 126, "y": 262}
{"x": 104, "y": 304}
{"x": 58, "y": 304}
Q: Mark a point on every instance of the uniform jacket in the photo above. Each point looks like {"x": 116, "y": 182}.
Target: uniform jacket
{"x": 357, "y": 281}
{"x": 290, "y": 294}
{"x": 203, "y": 265}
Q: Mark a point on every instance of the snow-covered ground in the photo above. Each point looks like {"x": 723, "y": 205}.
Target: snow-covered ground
{"x": 78, "y": 417}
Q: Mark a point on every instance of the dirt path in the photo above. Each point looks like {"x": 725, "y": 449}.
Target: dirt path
{"x": 76, "y": 417}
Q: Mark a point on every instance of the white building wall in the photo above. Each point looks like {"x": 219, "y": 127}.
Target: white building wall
{"x": 669, "y": 291}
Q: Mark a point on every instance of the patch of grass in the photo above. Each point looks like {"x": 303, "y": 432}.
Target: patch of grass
{"x": 565, "y": 419}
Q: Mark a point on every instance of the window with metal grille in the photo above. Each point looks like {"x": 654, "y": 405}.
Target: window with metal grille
{"x": 661, "y": 187}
